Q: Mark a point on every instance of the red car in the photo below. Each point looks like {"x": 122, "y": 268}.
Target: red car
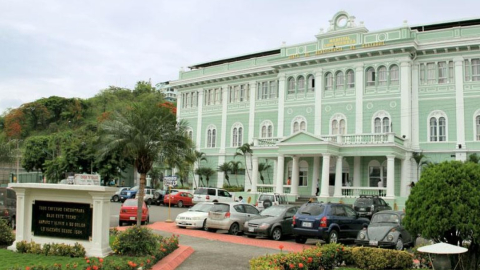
{"x": 179, "y": 198}
{"x": 128, "y": 213}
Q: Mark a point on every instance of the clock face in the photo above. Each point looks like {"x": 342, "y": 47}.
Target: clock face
{"x": 342, "y": 21}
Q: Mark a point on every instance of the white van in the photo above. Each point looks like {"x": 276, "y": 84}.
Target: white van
{"x": 206, "y": 194}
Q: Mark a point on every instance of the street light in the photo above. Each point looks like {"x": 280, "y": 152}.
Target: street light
{"x": 169, "y": 220}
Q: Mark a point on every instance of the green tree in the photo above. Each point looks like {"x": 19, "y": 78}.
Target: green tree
{"x": 208, "y": 172}
{"x": 199, "y": 157}
{"x": 36, "y": 153}
{"x": 235, "y": 167}
{"x": 144, "y": 131}
{"x": 7, "y": 152}
{"x": 263, "y": 167}
{"x": 200, "y": 173}
{"x": 443, "y": 206}
{"x": 246, "y": 151}
{"x": 475, "y": 158}
{"x": 419, "y": 160}
{"x": 225, "y": 168}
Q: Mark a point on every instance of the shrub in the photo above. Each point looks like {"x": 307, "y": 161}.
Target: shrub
{"x": 378, "y": 258}
{"x": 6, "y": 233}
{"x": 53, "y": 249}
{"x": 136, "y": 241}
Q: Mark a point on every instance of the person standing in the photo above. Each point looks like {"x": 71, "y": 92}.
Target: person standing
{"x": 240, "y": 199}
{"x": 318, "y": 189}
{"x": 380, "y": 186}
{"x": 289, "y": 181}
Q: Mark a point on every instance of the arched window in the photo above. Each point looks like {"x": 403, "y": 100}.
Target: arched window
{"x": 311, "y": 83}
{"x": 267, "y": 129}
{"x": 301, "y": 84}
{"x": 328, "y": 81}
{"x": 291, "y": 86}
{"x": 335, "y": 127}
{"x": 437, "y": 122}
{"x": 211, "y": 136}
{"x": 350, "y": 79}
{"x": 189, "y": 133}
{"x": 370, "y": 76}
{"x": 394, "y": 75}
{"x": 477, "y": 127}
{"x": 381, "y": 122}
{"x": 382, "y": 76}
{"x": 237, "y": 135}
{"x": 376, "y": 173}
{"x": 299, "y": 123}
{"x": 338, "y": 124}
{"x": 340, "y": 80}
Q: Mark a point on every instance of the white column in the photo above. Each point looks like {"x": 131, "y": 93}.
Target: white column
{"x": 390, "y": 176}
{"x": 280, "y": 172}
{"x": 338, "y": 177}
{"x": 199, "y": 120}
{"x": 220, "y": 175}
{"x": 406, "y": 99}
{"x": 356, "y": 172}
{"x": 318, "y": 102}
{"x": 415, "y": 111}
{"x": 24, "y": 221}
{"x": 179, "y": 105}
{"x": 359, "y": 86}
{"x": 254, "y": 173}
{"x": 281, "y": 104}
{"x": 295, "y": 174}
{"x": 406, "y": 173}
{"x": 275, "y": 165}
{"x": 223, "y": 138}
{"x": 100, "y": 225}
{"x": 460, "y": 109}
{"x": 316, "y": 173}
{"x": 251, "y": 114}
{"x": 325, "y": 176}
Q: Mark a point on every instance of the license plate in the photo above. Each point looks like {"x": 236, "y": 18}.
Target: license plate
{"x": 373, "y": 243}
{"x": 307, "y": 224}
{"x": 132, "y": 218}
{"x": 251, "y": 229}
{"x": 362, "y": 209}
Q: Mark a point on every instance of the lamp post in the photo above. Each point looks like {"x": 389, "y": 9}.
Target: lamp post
{"x": 169, "y": 220}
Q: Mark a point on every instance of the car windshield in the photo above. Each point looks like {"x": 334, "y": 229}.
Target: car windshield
{"x": 201, "y": 207}
{"x": 220, "y": 207}
{"x": 273, "y": 211}
{"x": 312, "y": 209}
{"x": 174, "y": 193}
{"x": 130, "y": 203}
{"x": 134, "y": 188}
{"x": 201, "y": 191}
{"x": 364, "y": 201}
{"x": 265, "y": 197}
{"x": 385, "y": 218}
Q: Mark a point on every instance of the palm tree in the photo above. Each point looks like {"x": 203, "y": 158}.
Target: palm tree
{"x": 263, "y": 167}
{"x": 418, "y": 157}
{"x": 208, "y": 172}
{"x": 245, "y": 150}
{"x": 144, "y": 132}
{"x": 199, "y": 157}
{"x": 200, "y": 172}
{"x": 235, "y": 167}
{"x": 225, "y": 168}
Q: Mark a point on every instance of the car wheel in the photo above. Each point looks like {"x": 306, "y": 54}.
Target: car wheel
{"x": 211, "y": 230}
{"x": 251, "y": 236}
{"x": 234, "y": 229}
{"x": 277, "y": 234}
{"x": 204, "y": 227}
{"x": 182, "y": 227}
{"x": 149, "y": 202}
{"x": 115, "y": 198}
{"x": 332, "y": 237}
{"x": 399, "y": 245}
{"x": 300, "y": 239}
{"x": 267, "y": 203}
{"x": 120, "y": 223}
{"x": 180, "y": 204}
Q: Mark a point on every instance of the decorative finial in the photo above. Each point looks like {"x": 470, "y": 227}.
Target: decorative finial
{"x": 321, "y": 31}
{"x": 284, "y": 43}
{"x": 405, "y": 22}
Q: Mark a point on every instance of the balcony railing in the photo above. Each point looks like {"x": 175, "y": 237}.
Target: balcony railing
{"x": 348, "y": 139}
{"x": 357, "y": 191}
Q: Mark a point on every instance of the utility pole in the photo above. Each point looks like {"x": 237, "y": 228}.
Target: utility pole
{"x": 18, "y": 163}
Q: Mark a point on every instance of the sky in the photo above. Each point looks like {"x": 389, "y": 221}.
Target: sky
{"x": 77, "y": 48}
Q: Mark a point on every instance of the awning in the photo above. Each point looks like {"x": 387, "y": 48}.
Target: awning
{"x": 442, "y": 248}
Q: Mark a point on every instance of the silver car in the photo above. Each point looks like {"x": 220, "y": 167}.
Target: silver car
{"x": 230, "y": 216}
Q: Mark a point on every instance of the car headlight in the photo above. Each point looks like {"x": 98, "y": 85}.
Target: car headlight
{"x": 361, "y": 236}
{"x": 390, "y": 237}
{"x": 264, "y": 226}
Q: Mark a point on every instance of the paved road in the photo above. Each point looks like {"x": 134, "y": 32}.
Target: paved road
{"x": 157, "y": 213}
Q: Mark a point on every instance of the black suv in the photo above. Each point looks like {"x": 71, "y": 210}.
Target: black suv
{"x": 326, "y": 221}
{"x": 8, "y": 206}
{"x": 367, "y": 205}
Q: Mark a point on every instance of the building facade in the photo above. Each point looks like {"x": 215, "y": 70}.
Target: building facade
{"x": 346, "y": 111}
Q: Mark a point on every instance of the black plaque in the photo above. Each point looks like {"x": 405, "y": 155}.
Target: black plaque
{"x": 62, "y": 219}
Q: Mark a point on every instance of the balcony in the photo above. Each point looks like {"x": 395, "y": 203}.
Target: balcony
{"x": 348, "y": 139}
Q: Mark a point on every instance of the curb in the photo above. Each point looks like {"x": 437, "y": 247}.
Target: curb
{"x": 174, "y": 259}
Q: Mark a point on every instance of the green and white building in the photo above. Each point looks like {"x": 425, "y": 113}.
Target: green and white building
{"x": 347, "y": 109}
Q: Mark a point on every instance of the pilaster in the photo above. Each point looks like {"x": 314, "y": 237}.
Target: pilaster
{"x": 318, "y": 102}
{"x": 295, "y": 175}
{"x": 251, "y": 113}
{"x": 460, "y": 105}
{"x": 338, "y": 177}
{"x": 280, "y": 174}
{"x": 324, "y": 192}
{"x": 359, "y": 86}
{"x": 390, "y": 176}
{"x": 199, "y": 120}
{"x": 316, "y": 173}
{"x": 415, "y": 108}
{"x": 281, "y": 105}
{"x": 254, "y": 173}
{"x": 406, "y": 99}
{"x": 223, "y": 138}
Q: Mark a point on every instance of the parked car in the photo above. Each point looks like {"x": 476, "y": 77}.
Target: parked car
{"x": 159, "y": 194}
{"x": 131, "y": 193}
{"x": 386, "y": 230}
{"x": 204, "y": 194}
{"x": 8, "y": 206}
{"x": 128, "y": 212}
{"x": 230, "y": 216}
{"x": 116, "y": 196}
{"x": 179, "y": 199}
{"x": 195, "y": 217}
{"x": 367, "y": 205}
{"x": 274, "y": 222}
{"x": 326, "y": 221}
{"x": 268, "y": 199}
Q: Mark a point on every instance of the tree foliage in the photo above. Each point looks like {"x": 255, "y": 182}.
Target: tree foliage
{"x": 443, "y": 206}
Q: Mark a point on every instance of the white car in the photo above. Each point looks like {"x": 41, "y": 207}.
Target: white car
{"x": 206, "y": 194}
{"x": 195, "y": 217}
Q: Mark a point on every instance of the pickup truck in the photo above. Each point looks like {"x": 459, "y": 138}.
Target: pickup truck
{"x": 132, "y": 193}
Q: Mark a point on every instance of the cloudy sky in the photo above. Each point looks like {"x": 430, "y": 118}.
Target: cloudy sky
{"x": 76, "y": 48}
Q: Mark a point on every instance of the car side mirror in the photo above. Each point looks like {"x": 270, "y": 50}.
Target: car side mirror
{"x": 288, "y": 217}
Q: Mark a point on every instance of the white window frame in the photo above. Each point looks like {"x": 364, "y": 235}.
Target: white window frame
{"x": 299, "y": 123}
{"x": 394, "y": 75}
{"x": 350, "y": 79}
{"x": 370, "y": 77}
{"x": 338, "y": 124}
{"x": 475, "y": 69}
{"x": 328, "y": 81}
{"x": 237, "y": 135}
{"x": 442, "y": 68}
{"x": 311, "y": 83}
{"x": 382, "y": 76}
{"x": 301, "y": 84}
{"x": 431, "y": 73}
{"x": 291, "y": 85}
{"x": 266, "y": 129}
{"x": 339, "y": 80}
{"x": 375, "y": 164}
{"x": 211, "y": 135}
{"x": 302, "y": 173}
{"x": 435, "y": 130}
{"x": 381, "y": 122}
{"x": 189, "y": 133}
{"x": 476, "y": 125}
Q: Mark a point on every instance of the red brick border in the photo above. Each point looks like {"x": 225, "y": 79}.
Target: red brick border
{"x": 174, "y": 259}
